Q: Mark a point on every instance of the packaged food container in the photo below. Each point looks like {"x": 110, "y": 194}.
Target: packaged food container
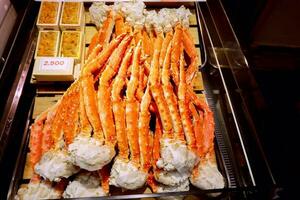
{"x": 71, "y": 44}
{"x": 72, "y": 16}
{"x": 48, "y": 17}
{"x": 47, "y": 44}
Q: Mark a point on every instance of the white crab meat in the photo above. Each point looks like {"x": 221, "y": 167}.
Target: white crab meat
{"x": 84, "y": 185}
{"x": 89, "y": 154}
{"x": 166, "y": 19}
{"x": 98, "y": 12}
{"x": 176, "y": 156}
{"x": 126, "y": 175}
{"x": 132, "y": 11}
{"x": 184, "y": 186}
{"x": 55, "y": 164}
{"x": 39, "y": 190}
{"x": 209, "y": 176}
{"x": 171, "y": 178}
{"x": 153, "y": 21}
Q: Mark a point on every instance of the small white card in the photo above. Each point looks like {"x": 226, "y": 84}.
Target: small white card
{"x": 55, "y": 64}
{"x": 53, "y": 69}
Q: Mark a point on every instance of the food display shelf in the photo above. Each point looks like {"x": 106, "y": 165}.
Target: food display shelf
{"x": 233, "y": 157}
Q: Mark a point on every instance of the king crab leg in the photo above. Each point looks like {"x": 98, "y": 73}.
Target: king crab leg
{"x": 147, "y": 45}
{"x": 176, "y": 160}
{"x": 40, "y": 142}
{"x": 165, "y": 44}
{"x": 104, "y": 102}
{"x": 206, "y": 174}
{"x": 87, "y": 85}
{"x": 156, "y": 91}
{"x": 142, "y": 81}
{"x": 98, "y": 48}
{"x": 132, "y": 106}
{"x": 129, "y": 175}
{"x": 137, "y": 34}
{"x": 119, "y": 106}
{"x": 183, "y": 108}
{"x": 93, "y": 44}
{"x": 85, "y": 126}
{"x": 104, "y": 174}
{"x": 71, "y": 120}
{"x": 155, "y": 154}
{"x": 171, "y": 97}
{"x": 89, "y": 152}
{"x": 192, "y": 53}
{"x": 106, "y": 30}
{"x": 103, "y": 36}
{"x": 104, "y": 92}
{"x": 145, "y": 137}
{"x": 176, "y": 43}
{"x": 55, "y": 163}
{"x": 198, "y": 127}
{"x": 207, "y": 144}
{"x": 35, "y": 142}
{"x": 47, "y": 141}
{"x": 156, "y": 143}
{"x": 119, "y": 24}
{"x": 164, "y": 114}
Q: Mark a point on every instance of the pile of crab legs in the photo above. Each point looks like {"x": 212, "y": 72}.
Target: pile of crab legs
{"x": 124, "y": 83}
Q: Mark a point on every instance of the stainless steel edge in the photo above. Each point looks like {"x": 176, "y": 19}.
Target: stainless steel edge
{"x": 204, "y": 49}
{"x": 231, "y": 107}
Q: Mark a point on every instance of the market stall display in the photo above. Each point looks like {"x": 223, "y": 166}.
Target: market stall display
{"x": 84, "y": 128}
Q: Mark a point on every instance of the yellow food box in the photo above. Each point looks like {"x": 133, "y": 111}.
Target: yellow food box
{"x": 71, "y": 45}
{"x": 48, "y": 17}
{"x": 72, "y": 16}
{"x": 53, "y": 69}
{"x": 47, "y": 44}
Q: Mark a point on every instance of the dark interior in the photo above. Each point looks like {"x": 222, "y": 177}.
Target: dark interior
{"x": 269, "y": 34}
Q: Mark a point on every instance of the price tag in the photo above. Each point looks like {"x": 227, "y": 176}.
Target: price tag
{"x": 55, "y": 64}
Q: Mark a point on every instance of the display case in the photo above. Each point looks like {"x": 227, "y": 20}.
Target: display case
{"x": 224, "y": 81}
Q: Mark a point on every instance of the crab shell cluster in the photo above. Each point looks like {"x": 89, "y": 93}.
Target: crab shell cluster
{"x": 140, "y": 73}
